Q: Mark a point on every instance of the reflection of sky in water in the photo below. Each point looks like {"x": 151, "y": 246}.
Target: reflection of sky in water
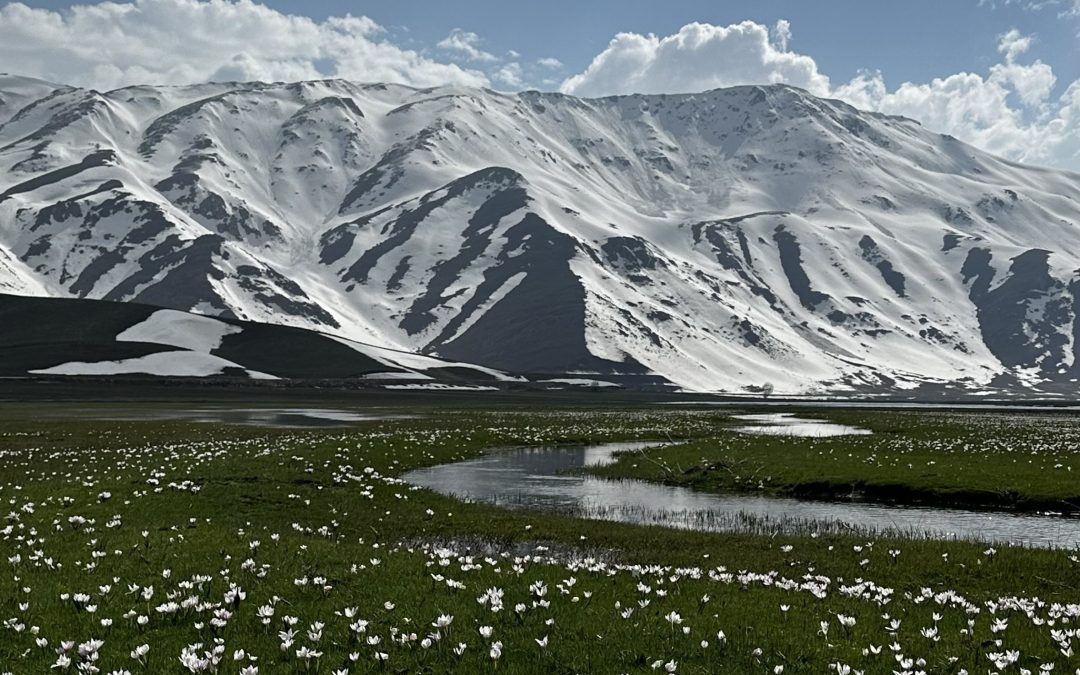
{"x": 786, "y": 424}
{"x": 537, "y": 477}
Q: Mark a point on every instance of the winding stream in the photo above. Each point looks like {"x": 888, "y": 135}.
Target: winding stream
{"x": 548, "y": 478}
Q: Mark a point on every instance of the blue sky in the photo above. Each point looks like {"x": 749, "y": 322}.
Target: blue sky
{"x": 908, "y": 41}
{"x": 1003, "y": 74}
{"x": 913, "y": 40}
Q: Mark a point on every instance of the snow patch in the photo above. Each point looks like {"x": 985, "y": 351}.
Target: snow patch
{"x": 580, "y": 382}
{"x": 435, "y": 386}
{"x": 180, "y": 329}
{"x": 164, "y": 364}
{"x": 420, "y": 362}
{"x": 397, "y": 376}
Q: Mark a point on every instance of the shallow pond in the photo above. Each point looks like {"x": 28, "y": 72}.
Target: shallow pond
{"x": 543, "y": 478}
{"x": 786, "y": 424}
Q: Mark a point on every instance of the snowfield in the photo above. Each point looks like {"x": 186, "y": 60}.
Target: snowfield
{"x": 417, "y": 363}
{"x": 718, "y": 241}
{"x": 165, "y": 364}
{"x": 580, "y": 382}
{"x": 180, "y": 329}
{"x": 440, "y": 387}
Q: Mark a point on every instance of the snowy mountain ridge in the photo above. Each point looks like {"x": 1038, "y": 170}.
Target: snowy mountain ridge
{"x": 719, "y": 241}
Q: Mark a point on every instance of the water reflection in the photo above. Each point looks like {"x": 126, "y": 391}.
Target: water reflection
{"x": 538, "y": 478}
{"x": 786, "y": 424}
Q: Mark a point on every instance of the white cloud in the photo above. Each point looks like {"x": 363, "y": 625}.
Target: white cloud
{"x": 1009, "y": 110}
{"x": 1065, "y": 8}
{"x": 699, "y": 57}
{"x": 466, "y": 43}
{"x": 550, "y": 62}
{"x": 782, "y": 34}
{"x": 510, "y": 75}
{"x": 1032, "y": 83}
{"x": 184, "y": 41}
{"x": 1013, "y": 44}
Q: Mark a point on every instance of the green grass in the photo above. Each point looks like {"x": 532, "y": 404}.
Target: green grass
{"x": 1023, "y": 461}
{"x": 317, "y": 520}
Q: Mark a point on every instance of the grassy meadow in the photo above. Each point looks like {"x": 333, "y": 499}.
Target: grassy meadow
{"x": 180, "y": 547}
{"x": 1012, "y": 460}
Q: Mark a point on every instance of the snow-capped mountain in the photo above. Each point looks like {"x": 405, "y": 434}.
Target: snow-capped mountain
{"x": 720, "y": 240}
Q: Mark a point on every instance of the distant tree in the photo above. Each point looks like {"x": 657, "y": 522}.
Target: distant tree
{"x": 766, "y": 390}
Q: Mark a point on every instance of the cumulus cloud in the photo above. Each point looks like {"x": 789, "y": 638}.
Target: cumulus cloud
{"x": 699, "y": 57}
{"x": 511, "y": 75}
{"x": 112, "y": 44}
{"x": 466, "y": 43}
{"x": 1013, "y": 44}
{"x": 782, "y": 34}
{"x": 1009, "y": 110}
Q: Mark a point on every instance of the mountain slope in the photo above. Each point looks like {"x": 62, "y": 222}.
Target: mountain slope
{"x": 718, "y": 240}
{"x": 63, "y": 336}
